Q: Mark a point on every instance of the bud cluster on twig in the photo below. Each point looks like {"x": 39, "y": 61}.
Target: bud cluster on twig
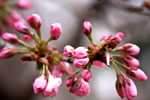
{"x": 53, "y": 64}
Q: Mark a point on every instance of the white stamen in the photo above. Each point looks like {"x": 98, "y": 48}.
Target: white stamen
{"x": 108, "y": 58}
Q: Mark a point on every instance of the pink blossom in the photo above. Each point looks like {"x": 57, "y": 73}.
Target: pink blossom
{"x": 99, "y": 64}
{"x": 39, "y": 84}
{"x": 130, "y": 48}
{"x": 8, "y": 52}
{"x": 56, "y": 30}
{"x": 82, "y": 90}
{"x": 86, "y": 75}
{"x": 138, "y": 74}
{"x": 34, "y": 21}
{"x": 52, "y": 86}
{"x": 21, "y": 27}
{"x": 118, "y": 37}
{"x": 80, "y": 52}
{"x": 80, "y": 63}
{"x": 25, "y": 4}
{"x": 27, "y": 38}
{"x": 68, "y": 50}
{"x": 87, "y": 28}
{"x": 105, "y": 37}
{"x": 12, "y": 38}
{"x": 131, "y": 61}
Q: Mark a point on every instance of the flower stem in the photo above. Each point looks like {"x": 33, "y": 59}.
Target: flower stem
{"x": 24, "y": 51}
{"x": 24, "y": 44}
{"x": 39, "y": 34}
{"x": 48, "y": 41}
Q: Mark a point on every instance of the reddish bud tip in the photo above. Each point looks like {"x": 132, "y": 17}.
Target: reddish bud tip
{"x": 34, "y": 21}
{"x": 87, "y": 28}
{"x": 56, "y": 30}
{"x": 12, "y": 38}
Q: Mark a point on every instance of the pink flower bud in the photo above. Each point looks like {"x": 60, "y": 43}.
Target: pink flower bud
{"x": 80, "y": 52}
{"x": 131, "y": 62}
{"x": 21, "y": 27}
{"x": 67, "y": 66}
{"x": 86, "y": 75}
{"x": 58, "y": 70}
{"x": 130, "y": 48}
{"x": 52, "y": 86}
{"x": 70, "y": 81}
{"x": 15, "y": 16}
{"x": 56, "y": 30}
{"x": 84, "y": 89}
{"x": 118, "y": 37}
{"x": 27, "y": 38}
{"x": 105, "y": 37}
{"x": 39, "y": 84}
{"x": 68, "y": 50}
{"x": 138, "y": 74}
{"x": 99, "y": 64}
{"x": 80, "y": 63}
{"x": 25, "y": 4}
{"x": 120, "y": 87}
{"x": 87, "y": 28}
{"x": 34, "y": 21}
{"x": 12, "y": 38}
{"x": 8, "y": 52}
{"x": 130, "y": 89}
{"x": 126, "y": 88}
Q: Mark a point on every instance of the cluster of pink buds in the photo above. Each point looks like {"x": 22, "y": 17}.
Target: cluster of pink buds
{"x": 8, "y": 15}
{"x": 53, "y": 64}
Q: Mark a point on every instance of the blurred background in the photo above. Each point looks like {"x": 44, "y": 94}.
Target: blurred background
{"x": 131, "y": 17}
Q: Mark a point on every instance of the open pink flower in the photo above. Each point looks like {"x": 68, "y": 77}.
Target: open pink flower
{"x": 52, "y": 86}
{"x": 56, "y": 31}
{"x": 80, "y": 52}
{"x": 39, "y": 84}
